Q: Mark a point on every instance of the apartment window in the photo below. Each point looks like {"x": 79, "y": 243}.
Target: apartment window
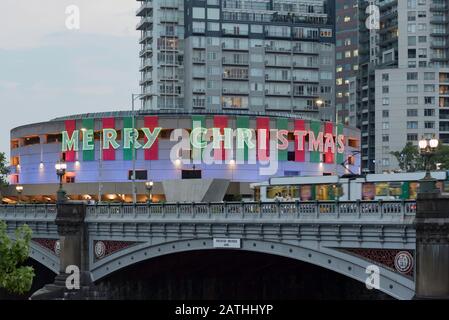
{"x": 385, "y": 77}
{"x": 422, "y": 53}
{"x": 412, "y": 124}
{"x": 412, "y": 137}
{"x": 429, "y": 124}
{"x": 385, "y": 89}
{"x": 422, "y": 39}
{"x": 412, "y": 112}
{"x": 412, "y": 64}
{"x": 385, "y": 162}
{"x": 199, "y": 13}
{"x": 429, "y": 112}
{"x": 429, "y": 75}
{"x": 385, "y": 101}
{"x": 422, "y": 14}
{"x": 412, "y": 75}
{"x": 385, "y": 125}
{"x": 347, "y": 54}
{"x": 412, "y": 100}
{"x": 429, "y": 88}
{"x": 412, "y": 88}
{"x": 213, "y": 14}
{"x": 429, "y": 100}
{"x": 412, "y": 40}
{"x": 385, "y": 138}
{"x": 411, "y": 53}
{"x": 213, "y": 26}
{"x": 385, "y": 113}
{"x": 423, "y": 64}
{"x": 411, "y": 28}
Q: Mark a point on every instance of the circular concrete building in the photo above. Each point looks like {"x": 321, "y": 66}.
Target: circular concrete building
{"x": 188, "y": 156}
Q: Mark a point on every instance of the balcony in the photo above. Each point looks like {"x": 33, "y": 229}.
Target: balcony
{"x": 242, "y": 90}
{"x": 144, "y": 9}
{"x": 147, "y": 49}
{"x": 198, "y": 60}
{"x": 145, "y": 23}
{"x": 146, "y": 64}
{"x": 146, "y": 35}
{"x": 201, "y": 90}
{"x": 438, "y": 7}
{"x": 231, "y": 61}
{"x": 146, "y": 79}
{"x": 169, "y": 4}
{"x": 277, "y": 93}
{"x": 439, "y": 44}
{"x": 275, "y": 78}
{"x": 199, "y": 103}
{"x": 278, "y": 49}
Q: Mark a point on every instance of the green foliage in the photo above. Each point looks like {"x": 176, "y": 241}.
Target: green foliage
{"x": 410, "y": 160}
{"x": 13, "y": 277}
{"x": 3, "y": 169}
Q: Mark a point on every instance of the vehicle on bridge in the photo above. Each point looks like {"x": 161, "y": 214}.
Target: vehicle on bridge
{"x": 394, "y": 186}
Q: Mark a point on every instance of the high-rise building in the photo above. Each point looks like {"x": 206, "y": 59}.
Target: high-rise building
{"x": 412, "y": 80}
{"x": 250, "y": 55}
{"x": 356, "y": 58}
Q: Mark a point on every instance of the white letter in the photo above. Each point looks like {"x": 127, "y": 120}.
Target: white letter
{"x": 73, "y": 280}
{"x": 72, "y": 22}
{"x": 373, "y": 279}
{"x": 373, "y": 20}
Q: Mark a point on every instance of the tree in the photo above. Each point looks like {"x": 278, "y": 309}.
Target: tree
{"x": 409, "y": 159}
{"x": 3, "y": 170}
{"x": 14, "y": 277}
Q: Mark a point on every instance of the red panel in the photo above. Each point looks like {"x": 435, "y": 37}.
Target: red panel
{"x": 70, "y": 126}
{"x": 328, "y": 155}
{"x": 152, "y": 122}
{"x": 300, "y": 155}
{"x": 263, "y": 123}
{"x": 108, "y": 154}
{"x": 220, "y": 122}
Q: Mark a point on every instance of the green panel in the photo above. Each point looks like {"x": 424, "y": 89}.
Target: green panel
{"x": 89, "y": 155}
{"x": 340, "y": 156}
{"x": 197, "y": 153}
{"x": 243, "y": 122}
{"x": 313, "y": 187}
{"x": 405, "y": 194}
{"x": 331, "y": 193}
{"x": 315, "y": 126}
{"x": 282, "y": 124}
{"x": 127, "y": 153}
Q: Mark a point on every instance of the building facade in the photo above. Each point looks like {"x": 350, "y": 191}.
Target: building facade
{"x": 260, "y": 56}
{"x": 412, "y": 79}
{"x": 357, "y": 34}
{"x": 100, "y": 163}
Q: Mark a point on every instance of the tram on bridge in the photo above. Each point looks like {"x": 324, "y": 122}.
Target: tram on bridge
{"x": 394, "y": 186}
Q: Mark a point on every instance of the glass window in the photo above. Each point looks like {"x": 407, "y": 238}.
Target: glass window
{"x": 213, "y": 14}
{"x": 199, "y": 13}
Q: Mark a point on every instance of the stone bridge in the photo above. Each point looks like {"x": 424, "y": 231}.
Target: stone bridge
{"x": 345, "y": 237}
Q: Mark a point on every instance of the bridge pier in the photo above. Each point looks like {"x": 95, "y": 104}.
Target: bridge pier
{"x": 432, "y": 246}
{"x": 74, "y": 257}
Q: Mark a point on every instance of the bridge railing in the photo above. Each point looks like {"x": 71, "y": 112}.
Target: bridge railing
{"x": 363, "y": 210}
{"x": 28, "y": 211}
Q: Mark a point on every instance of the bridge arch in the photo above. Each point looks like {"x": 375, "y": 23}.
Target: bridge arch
{"x": 391, "y": 283}
{"x": 44, "y": 257}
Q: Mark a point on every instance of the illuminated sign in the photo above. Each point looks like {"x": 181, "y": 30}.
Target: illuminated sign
{"x": 320, "y": 142}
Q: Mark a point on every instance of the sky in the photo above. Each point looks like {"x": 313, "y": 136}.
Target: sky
{"x": 48, "y": 70}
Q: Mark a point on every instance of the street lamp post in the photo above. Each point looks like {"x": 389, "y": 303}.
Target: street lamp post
{"x": 19, "y": 190}
{"x": 149, "y": 186}
{"x": 427, "y": 148}
{"x": 61, "y": 168}
{"x": 134, "y": 97}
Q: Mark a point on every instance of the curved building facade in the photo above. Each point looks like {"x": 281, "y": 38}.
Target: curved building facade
{"x": 173, "y": 150}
